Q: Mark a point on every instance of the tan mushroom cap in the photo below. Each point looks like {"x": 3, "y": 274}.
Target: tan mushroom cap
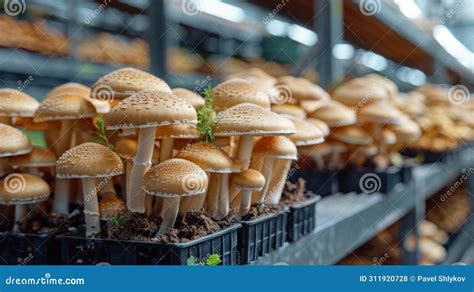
{"x": 29, "y": 125}
{"x": 23, "y": 188}
{"x": 70, "y": 88}
{"x": 249, "y": 180}
{"x": 318, "y": 149}
{"x": 301, "y": 88}
{"x": 406, "y": 131}
{"x": 337, "y": 147}
{"x": 334, "y": 114}
{"x": 251, "y": 119}
{"x": 276, "y": 146}
{"x": 321, "y": 125}
{"x": 126, "y": 149}
{"x": 380, "y": 113}
{"x": 207, "y": 156}
{"x": 175, "y": 178}
{"x": 14, "y": 142}
{"x": 125, "y": 82}
{"x": 177, "y": 132}
{"x": 237, "y": 91}
{"x": 359, "y": 91}
{"x": 306, "y": 133}
{"x": 310, "y": 106}
{"x": 38, "y": 157}
{"x": 386, "y": 136}
{"x": 386, "y": 83}
{"x": 150, "y": 108}
{"x": 110, "y": 207}
{"x": 14, "y": 103}
{"x": 368, "y": 150}
{"x": 351, "y": 135}
{"x": 64, "y": 107}
{"x": 88, "y": 160}
{"x": 289, "y": 110}
{"x": 194, "y": 99}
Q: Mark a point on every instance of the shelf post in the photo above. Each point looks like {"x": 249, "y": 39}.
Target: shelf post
{"x": 157, "y": 38}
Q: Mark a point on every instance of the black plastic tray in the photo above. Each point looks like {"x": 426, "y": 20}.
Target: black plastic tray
{"x": 301, "y": 219}
{"x": 369, "y": 180}
{"x": 323, "y": 183}
{"x": 77, "y": 250}
{"x": 431, "y": 157}
{"x": 261, "y": 236}
{"x": 28, "y": 249}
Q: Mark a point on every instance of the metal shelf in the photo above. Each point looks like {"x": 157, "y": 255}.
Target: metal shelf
{"x": 346, "y": 221}
{"x": 459, "y": 249}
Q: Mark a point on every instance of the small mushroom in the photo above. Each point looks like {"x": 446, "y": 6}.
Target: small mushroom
{"x": 334, "y": 114}
{"x": 359, "y": 91}
{"x": 14, "y": 143}
{"x": 14, "y": 104}
{"x": 194, "y": 99}
{"x": 111, "y": 207}
{"x": 233, "y": 92}
{"x": 171, "y": 180}
{"x": 34, "y": 160}
{"x": 168, "y": 135}
{"x": 88, "y": 162}
{"x": 247, "y": 182}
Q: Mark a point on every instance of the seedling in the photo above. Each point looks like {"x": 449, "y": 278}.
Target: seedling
{"x": 212, "y": 260}
{"x": 206, "y": 118}
{"x": 101, "y": 133}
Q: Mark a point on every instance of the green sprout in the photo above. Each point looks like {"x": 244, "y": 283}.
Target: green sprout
{"x": 212, "y": 260}
{"x": 118, "y": 221}
{"x": 101, "y": 132}
{"x": 206, "y": 118}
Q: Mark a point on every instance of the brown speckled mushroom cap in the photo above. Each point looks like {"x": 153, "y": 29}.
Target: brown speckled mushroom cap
{"x": 359, "y": 91}
{"x": 23, "y": 188}
{"x": 88, "y": 160}
{"x": 207, "y": 156}
{"x": 38, "y": 157}
{"x": 175, "y": 178}
{"x": 110, "y": 207}
{"x": 70, "y": 88}
{"x": 126, "y": 149}
{"x": 249, "y": 180}
{"x": 276, "y": 146}
{"x": 125, "y": 82}
{"x": 236, "y": 91}
{"x": 64, "y": 107}
{"x": 334, "y": 114}
{"x": 301, "y": 89}
{"x": 150, "y": 108}
{"x": 13, "y": 141}
{"x": 380, "y": 113}
{"x": 177, "y": 132}
{"x": 194, "y": 99}
{"x": 352, "y": 134}
{"x": 321, "y": 125}
{"x": 14, "y": 103}
{"x": 251, "y": 119}
{"x": 306, "y": 133}
{"x": 289, "y": 109}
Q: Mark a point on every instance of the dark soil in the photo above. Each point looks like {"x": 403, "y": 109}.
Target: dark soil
{"x": 295, "y": 192}
{"x": 261, "y": 210}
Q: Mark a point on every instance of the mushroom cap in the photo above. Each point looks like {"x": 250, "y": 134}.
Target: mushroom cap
{"x": 380, "y": 113}
{"x": 14, "y": 142}
{"x": 301, "y": 88}
{"x": 306, "y": 133}
{"x": 289, "y": 110}
{"x": 207, "y": 156}
{"x": 71, "y": 88}
{"x": 276, "y": 146}
{"x": 126, "y": 149}
{"x": 353, "y": 134}
{"x": 88, "y": 160}
{"x": 334, "y": 114}
{"x": 359, "y": 91}
{"x": 194, "y": 99}
{"x": 150, "y": 108}
{"x": 249, "y": 180}
{"x": 369, "y": 150}
{"x": 386, "y": 136}
{"x": 406, "y": 131}
{"x": 386, "y": 83}
{"x": 28, "y": 124}
{"x": 321, "y": 125}
{"x": 23, "y": 188}
{"x": 125, "y": 82}
{"x": 337, "y": 147}
{"x": 38, "y": 157}
{"x": 177, "y": 132}
{"x": 14, "y": 103}
{"x": 318, "y": 149}
{"x": 251, "y": 119}
{"x": 110, "y": 207}
{"x": 310, "y": 106}
{"x": 236, "y": 91}
{"x": 64, "y": 107}
{"x": 175, "y": 178}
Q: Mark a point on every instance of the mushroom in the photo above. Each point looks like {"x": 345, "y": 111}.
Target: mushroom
{"x": 89, "y": 161}
{"x": 217, "y": 165}
{"x": 334, "y": 115}
{"x": 236, "y": 91}
{"x": 354, "y": 136}
{"x": 380, "y": 113}
{"x": 14, "y": 142}
{"x": 14, "y": 103}
{"x": 171, "y": 180}
{"x": 407, "y": 131}
{"x": 321, "y": 125}
{"x": 317, "y": 152}
{"x": 168, "y": 134}
{"x": 111, "y": 207}
{"x": 34, "y": 160}
{"x": 247, "y": 182}
{"x": 337, "y": 149}
{"x": 291, "y": 110}
{"x": 147, "y": 110}
{"x": 194, "y": 99}
{"x": 358, "y": 92}
{"x": 22, "y": 189}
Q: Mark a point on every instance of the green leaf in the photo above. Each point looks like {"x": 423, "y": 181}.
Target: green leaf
{"x": 206, "y": 118}
{"x": 101, "y": 132}
{"x": 213, "y": 260}
{"x": 192, "y": 261}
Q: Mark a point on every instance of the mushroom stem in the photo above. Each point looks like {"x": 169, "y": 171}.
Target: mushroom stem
{"x": 141, "y": 163}
{"x": 91, "y": 206}
{"x": 3, "y": 166}
{"x": 223, "y": 199}
{"x": 21, "y": 210}
{"x": 212, "y": 197}
{"x": 169, "y": 212}
{"x": 267, "y": 170}
{"x": 34, "y": 171}
{"x": 244, "y": 151}
{"x": 196, "y": 202}
{"x": 245, "y": 202}
{"x": 318, "y": 158}
{"x": 128, "y": 177}
{"x": 166, "y": 149}
{"x": 63, "y": 141}
{"x": 278, "y": 181}
{"x": 61, "y": 196}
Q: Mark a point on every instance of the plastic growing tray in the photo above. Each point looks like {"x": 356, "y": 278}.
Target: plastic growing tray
{"x": 301, "y": 219}
{"x": 369, "y": 180}
{"x": 323, "y": 183}
{"x": 28, "y": 249}
{"x": 261, "y": 236}
{"x": 77, "y": 250}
